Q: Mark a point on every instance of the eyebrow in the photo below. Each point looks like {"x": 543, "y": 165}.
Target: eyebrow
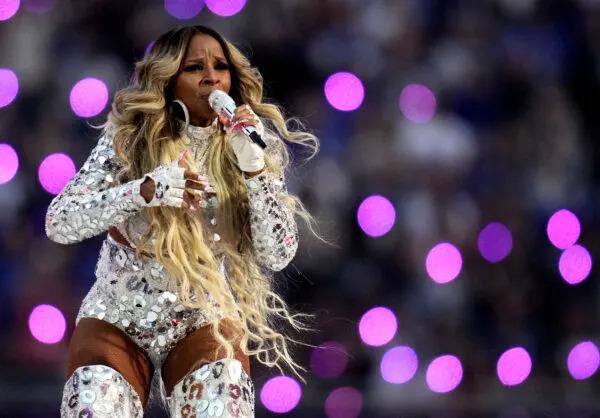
{"x": 202, "y": 59}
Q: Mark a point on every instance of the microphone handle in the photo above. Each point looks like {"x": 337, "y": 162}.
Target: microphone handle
{"x": 249, "y": 131}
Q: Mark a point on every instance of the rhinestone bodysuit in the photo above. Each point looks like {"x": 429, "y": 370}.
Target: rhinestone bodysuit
{"x": 136, "y": 294}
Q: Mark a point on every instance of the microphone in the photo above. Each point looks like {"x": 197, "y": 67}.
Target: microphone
{"x": 224, "y": 105}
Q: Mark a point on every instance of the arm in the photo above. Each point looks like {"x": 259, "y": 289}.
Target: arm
{"x": 91, "y": 202}
{"x": 273, "y": 227}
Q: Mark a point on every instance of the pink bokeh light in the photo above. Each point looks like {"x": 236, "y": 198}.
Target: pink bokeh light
{"x": 183, "y": 9}
{"x": 88, "y": 97}
{"x": 563, "y": 229}
{"x": 55, "y": 171}
{"x": 329, "y": 359}
{"x": 225, "y": 8}
{"x": 495, "y": 242}
{"x": 38, "y": 6}
{"x": 47, "y": 324}
{"x": 514, "y": 366}
{"x": 444, "y": 374}
{"x": 377, "y": 326}
{"x": 9, "y": 86}
{"x": 9, "y": 163}
{"x": 376, "y": 216}
{"x": 417, "y": 103}
{"x": 575, "y": 264}
{"x": 8, "y": 8}
{"x": 399, "y": 365}
{"x": 443, "y": 263}
{"x": 344, "y": 402}
{"x": 344, "y": 91}
{"x": 280, "y": 394}
{"x": 583, "y": 360}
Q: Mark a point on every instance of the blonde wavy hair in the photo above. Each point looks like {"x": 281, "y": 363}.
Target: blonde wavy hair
{"x": 147, "y": 134}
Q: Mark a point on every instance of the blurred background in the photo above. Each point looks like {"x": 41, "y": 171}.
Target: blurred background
{"x": 458, "y": 179}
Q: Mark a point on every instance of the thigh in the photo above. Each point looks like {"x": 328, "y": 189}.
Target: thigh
{"x": 196, "y": 349}
{"x": 95, "y": 341}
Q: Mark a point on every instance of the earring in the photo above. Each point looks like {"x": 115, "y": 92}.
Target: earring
{"x": 186, "y": 113}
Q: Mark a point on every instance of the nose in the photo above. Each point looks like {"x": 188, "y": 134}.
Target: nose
{"x": 210, "y": 78}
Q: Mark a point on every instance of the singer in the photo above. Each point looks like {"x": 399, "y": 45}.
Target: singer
{"x": 198, "y": 219}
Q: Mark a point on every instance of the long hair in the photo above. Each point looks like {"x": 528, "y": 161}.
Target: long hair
{"x": 146, "y": 134}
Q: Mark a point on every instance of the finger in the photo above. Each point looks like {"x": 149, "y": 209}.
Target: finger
{"x": 192, "y": 175}
{"x": 181, "y": 160}
{"x": 197, "y": 185}
{"x": 224, "y": 120}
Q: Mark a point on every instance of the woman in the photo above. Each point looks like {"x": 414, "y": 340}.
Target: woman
{"x": 197, "y": 218}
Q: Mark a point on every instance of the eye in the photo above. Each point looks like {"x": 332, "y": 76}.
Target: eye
{"x": 193, "y": 67}
{"x": 222, "y": 66}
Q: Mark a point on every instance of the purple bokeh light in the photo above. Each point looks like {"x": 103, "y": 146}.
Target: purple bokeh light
{"x": 443, "y": 263}
{"x": 149, "y": 47}
{"x": 417, "y": 103}
{"x": 377, "y": 326}
{"x": 583, "y": 360}
{"x": 184, "y": 9}
{"x": 514, "y": 366}
{"x": 344, "y": 402}
{"x": 329, "y": 359}
{"x": 55, "y": 171}
{"x": 38, "y": 6}
{"x": 225, "y": 8}
{"x": 575, "y": 264}
{"x": 47, "y": 324}
{"x": 88, "y": 97}
{"x": 563, "y": 229}
{"x": 444, "y": 373}
{"x": 9, "y": 86}
{"x": 376, "y": 216}
{"x": 344, "y": 91}
{"x": 399, "y": 365}
{"x": 495, "y": 242}
{"x": 9, "y": 163}
{"x": 280, "y": 394}
{"x": 8, "y": 8}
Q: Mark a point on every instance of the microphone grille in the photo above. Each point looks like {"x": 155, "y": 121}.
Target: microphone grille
{"x": 217, "y": 99}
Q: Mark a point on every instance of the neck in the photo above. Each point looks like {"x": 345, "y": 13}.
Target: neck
{"x": 202, "y": 122}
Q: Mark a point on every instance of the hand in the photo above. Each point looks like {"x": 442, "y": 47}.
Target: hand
{"x": 172, "y": 185}
{"x": 250, "y": 156}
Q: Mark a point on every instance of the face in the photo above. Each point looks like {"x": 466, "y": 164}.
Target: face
{"x": 203, "y": 70}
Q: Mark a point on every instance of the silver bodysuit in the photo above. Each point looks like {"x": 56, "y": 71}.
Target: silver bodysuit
{"x": 137, "y": 295}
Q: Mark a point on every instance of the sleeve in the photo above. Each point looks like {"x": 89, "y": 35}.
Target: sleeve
{"x": 92, "y": 201}
{"x": 272, "y": 224}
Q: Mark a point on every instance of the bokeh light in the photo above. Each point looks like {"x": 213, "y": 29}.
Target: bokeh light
{"x": 444, "y": 373}
{"x": 344, "y": 402}
{"x": 514, "y": 366}
{"x": 280, "y": 394}
{"x": 443, "y": 263}
{"x": 88, "y": 97}
{"x": 184, "y": 9}
{"x": 377, "y": 326}
{"x": 376, "y": 216}
{"x": 47, "y": 324}
{"x": 149, "y": 47}
{"x": 55, "y": 171}
{"x": 8, "y": 8}
{"x": 9, "y": 163}
{"x": 495, "y": 242}
{"x": 563, "y": 229}
{"x": 575, "y": 264}
{"x": 399, "y": 364}
{"x": 9, "y": 86}
{"x": 344, "y": 91}
{"x": 329, "y": 359}
{"x": 583, "y": 360}
{"x": 225, "y": 7}
{"x": 417, "y": 103}
{"x": 38, "y": 6}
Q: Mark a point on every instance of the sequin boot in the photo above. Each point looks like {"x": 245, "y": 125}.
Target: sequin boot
{"x": 99, "y": 392}
{"x": 219, "y": 389}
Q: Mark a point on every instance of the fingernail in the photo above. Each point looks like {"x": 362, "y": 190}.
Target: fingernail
{"x": 193, "y": 208}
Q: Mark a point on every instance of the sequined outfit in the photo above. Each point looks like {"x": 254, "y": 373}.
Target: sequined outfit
{"x": 136, "y": 294}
